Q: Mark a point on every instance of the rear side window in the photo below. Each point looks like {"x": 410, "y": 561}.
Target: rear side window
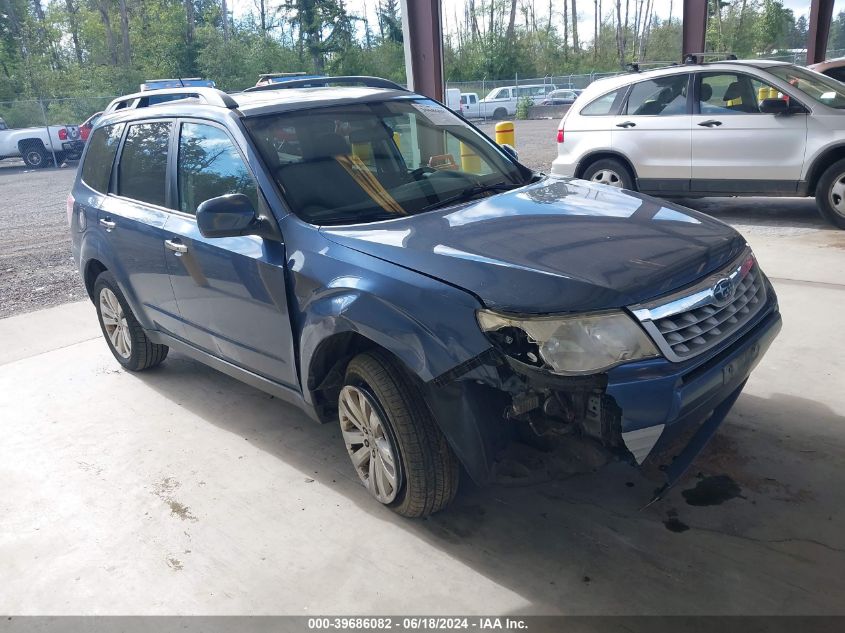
{"x": 143, "y": 163}
{"x": 662, "y": 96}
{"x": 604, "y": 105}
{"x": 102, "y": 148}
{"x": 209, "y": 166}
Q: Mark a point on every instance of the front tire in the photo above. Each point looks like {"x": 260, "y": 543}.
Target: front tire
{"x": 610, "y": 171}
{"x": 830, "y": 194}
{"x": 500, "y": 114}
{"x": 394, "y": 443}
{"x": 124, "y": 335}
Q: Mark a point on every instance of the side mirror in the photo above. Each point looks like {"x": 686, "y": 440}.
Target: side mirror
{"x": 510, "y": 151}
{"x": 774, "y": 106}
{"x": 228, "y": 216}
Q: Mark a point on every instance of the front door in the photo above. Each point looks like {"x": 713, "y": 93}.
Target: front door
{"x": 735, "y": 147}
{"x": 230, "y": 291}
{"x": 653, "y": 131}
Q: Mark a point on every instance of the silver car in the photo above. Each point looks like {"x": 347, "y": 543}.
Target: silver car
{"x": 732, "y": 128}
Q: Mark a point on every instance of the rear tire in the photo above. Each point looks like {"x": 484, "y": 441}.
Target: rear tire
{"x": 425, "y": 470}
{"x": 830, "y": 194}
{"x": 34, "y": 154}
{"x": 124, "y": 335}
{"x": 611, "y": 172}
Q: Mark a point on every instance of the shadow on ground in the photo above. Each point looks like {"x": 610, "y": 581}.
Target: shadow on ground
{"x": 751, "y": 529}
{"x": 797, "y": 213}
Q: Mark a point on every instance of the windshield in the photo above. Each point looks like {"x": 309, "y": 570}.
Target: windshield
{"x": 822, "y": 89}
{"x": 365, "y": 162}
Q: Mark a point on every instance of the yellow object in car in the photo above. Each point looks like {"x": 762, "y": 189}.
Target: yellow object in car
{"x": 356, "y": 168}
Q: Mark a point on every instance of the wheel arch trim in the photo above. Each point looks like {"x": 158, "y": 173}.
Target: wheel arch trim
{"x": 601, "y": 154}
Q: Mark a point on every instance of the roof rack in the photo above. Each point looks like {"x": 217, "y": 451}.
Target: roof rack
{"x": 209, "y": 96}
{"x": 322, "y": 82}
{"x": 300, "y": 73}
{"x": 699, "y": 58}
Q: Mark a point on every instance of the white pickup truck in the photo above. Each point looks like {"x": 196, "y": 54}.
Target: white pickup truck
{"x": 502, "y": 102}
{"x": 37, "y": 145}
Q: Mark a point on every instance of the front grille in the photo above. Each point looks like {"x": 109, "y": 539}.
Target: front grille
{"x": 694, "y": 320}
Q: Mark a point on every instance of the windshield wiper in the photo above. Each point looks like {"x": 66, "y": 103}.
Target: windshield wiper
{"x": 471, "y": 192}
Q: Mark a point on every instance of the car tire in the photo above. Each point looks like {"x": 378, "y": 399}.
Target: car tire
{"x": 830, "y": 194}
{"x": 611, "y": 172}
{"x": 34, "y": 154}
{"x": 124, "y": 335}
{"x": 380, "y": 402}
{"x": 500, "y": 113}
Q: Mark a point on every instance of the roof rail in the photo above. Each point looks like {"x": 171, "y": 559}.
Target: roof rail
{"x": 699, "y": 58}
{"x": 209, "y": 96}
{"x": 322, "y": 82}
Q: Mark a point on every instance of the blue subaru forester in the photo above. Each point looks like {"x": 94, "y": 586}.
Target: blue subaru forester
{"x": 365, "y": 253}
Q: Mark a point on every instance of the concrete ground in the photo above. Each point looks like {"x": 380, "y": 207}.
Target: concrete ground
{"x": 183, "y": 491}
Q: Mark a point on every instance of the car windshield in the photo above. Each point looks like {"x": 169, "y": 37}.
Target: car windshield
{"x": 818, "y": 87}
{"x": 366, "y": 162}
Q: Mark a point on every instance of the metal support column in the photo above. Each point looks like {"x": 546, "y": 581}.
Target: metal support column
{"x": 694, "y": 27}
{"x": 423, "y": 33}
{"x": 821, "y": 15}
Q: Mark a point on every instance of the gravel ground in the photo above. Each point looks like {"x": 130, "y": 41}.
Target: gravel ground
{"x": 37, "y": 270}
{"x": 36, "y": 266}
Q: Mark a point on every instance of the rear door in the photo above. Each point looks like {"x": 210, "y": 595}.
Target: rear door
{"x": 230, "y": 291}
{"x": 735, "y": 147}
{"x": 132, "y": 218}
{"x": 653, "y": 131}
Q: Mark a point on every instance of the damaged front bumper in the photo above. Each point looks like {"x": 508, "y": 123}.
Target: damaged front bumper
{"x": 671, "y": 410}
{"x": 651, "y": 412}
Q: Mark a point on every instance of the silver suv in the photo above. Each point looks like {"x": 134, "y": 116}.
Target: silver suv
{"x": 732, "y": 128}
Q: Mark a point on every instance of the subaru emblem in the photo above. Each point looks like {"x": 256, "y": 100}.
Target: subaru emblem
{"x": 723, "y": 291}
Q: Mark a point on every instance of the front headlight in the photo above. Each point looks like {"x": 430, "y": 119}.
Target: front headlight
{"x": 570, "y": 345}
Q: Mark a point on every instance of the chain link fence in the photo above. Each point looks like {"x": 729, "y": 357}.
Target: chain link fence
{"x": 484, "y": 87}
{"x": 41, "y": 131}
{"x": 44, "y": 131}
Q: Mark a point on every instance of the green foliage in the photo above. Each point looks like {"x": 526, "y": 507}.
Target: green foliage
{"x": 523, "y": 107}
{"x": 74, "y": 48}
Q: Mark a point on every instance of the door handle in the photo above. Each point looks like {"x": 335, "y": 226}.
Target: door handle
{"x": 176, "y": 246}
{"x": 710, "y": 123}
{"x": 626, "y": 124}
{"x": 107, "y": 224}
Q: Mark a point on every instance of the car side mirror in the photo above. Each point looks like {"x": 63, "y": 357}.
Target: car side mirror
{"x": 510, "y": 151}
{"x": 774, "y": 106}
{"x": 228, "y": 216}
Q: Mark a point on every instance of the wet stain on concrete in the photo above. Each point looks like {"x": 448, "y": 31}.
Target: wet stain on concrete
{"x": 673, "y": 524}
{"x": 713, "y": 491}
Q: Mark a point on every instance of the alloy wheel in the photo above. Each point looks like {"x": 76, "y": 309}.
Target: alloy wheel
{"x": 369, "y": 445}
{"x": 836, "y": 195}
{"x": 114, "y": 323}
{"x": 34, "y": 158}
{"x": 607, "y": 177}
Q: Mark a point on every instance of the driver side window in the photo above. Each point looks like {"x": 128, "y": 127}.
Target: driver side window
{"x": 209, "y": 165}
{"x": 733, "y": 93}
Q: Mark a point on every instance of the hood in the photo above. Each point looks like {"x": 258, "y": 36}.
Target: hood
{"x": 554, "y": 246}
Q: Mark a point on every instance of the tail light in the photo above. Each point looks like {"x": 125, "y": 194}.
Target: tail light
{"x": 560, "y": 135}
{"x": 63, "y": 134}
{"x": 70, "y": 203}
